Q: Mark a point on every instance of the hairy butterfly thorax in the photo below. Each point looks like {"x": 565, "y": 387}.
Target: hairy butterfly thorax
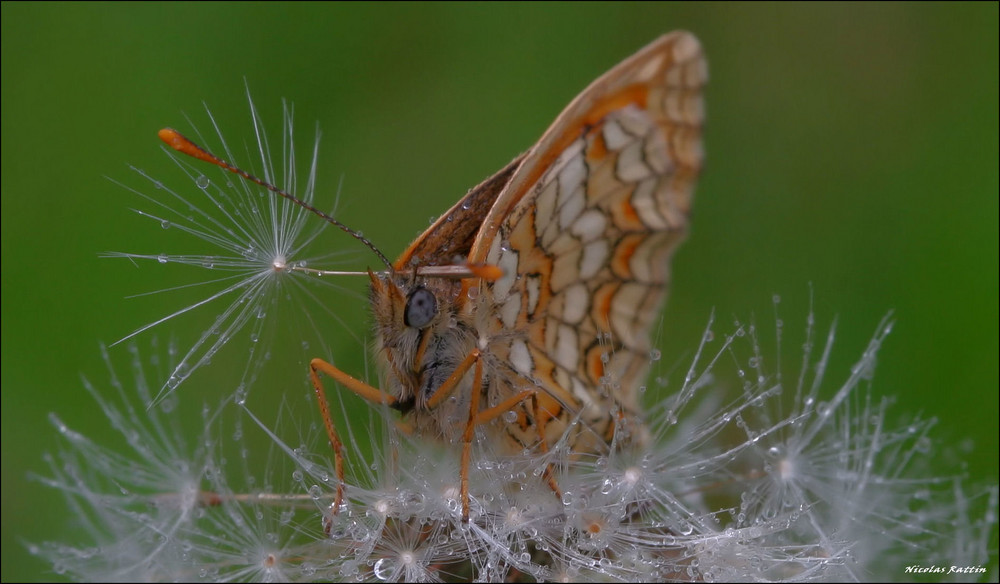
{"x": 421, "y": 339}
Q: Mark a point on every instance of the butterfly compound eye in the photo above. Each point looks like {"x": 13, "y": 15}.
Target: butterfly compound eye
{"x": 421, "y": 306}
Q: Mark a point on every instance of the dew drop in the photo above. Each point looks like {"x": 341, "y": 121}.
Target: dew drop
{"x": 163, "y": 258}
{"x": 383, "y": 569}
{"x": 655, "y": 355}
{"x": 168, "y": 405}
{"x": 202, "y": 182}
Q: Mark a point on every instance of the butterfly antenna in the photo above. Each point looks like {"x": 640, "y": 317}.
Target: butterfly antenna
{"x": 178, "y": 142}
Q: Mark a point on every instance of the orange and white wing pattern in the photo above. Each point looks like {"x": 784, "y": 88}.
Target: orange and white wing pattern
{"x": 584, "y": 231}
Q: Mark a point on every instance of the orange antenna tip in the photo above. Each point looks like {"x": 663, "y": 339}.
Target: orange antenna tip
{"x": 178, "y": 142}
{"x": 171, "y": 137}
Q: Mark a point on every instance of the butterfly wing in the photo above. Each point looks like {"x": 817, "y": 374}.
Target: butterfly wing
{"x": 451, "y": 236}
{"x": 585, "y": 227}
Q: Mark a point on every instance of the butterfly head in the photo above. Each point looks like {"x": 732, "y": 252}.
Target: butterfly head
{"x": 419, "y": 332}
{"x": 419, "y": 298}
{"x": 406, "y": 307}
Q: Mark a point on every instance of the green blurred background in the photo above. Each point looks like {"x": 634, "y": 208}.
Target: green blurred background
{"x": 853, "y": 147}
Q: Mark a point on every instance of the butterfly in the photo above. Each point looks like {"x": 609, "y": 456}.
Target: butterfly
{"x": 526, "y": 310}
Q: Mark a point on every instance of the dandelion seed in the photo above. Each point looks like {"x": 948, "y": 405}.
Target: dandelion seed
{"x": 252, "y": 240}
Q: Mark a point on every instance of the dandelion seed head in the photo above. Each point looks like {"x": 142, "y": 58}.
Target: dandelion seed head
{"x": 797, "y": 477}
{"x": 625, "y": 518}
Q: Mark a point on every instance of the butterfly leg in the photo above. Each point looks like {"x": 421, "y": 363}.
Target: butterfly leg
{"x": 444, "y": 391}
{"x": 372, "y": 394}
{"x": 541, "y": 418}
{"x": 477, "y": 418}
